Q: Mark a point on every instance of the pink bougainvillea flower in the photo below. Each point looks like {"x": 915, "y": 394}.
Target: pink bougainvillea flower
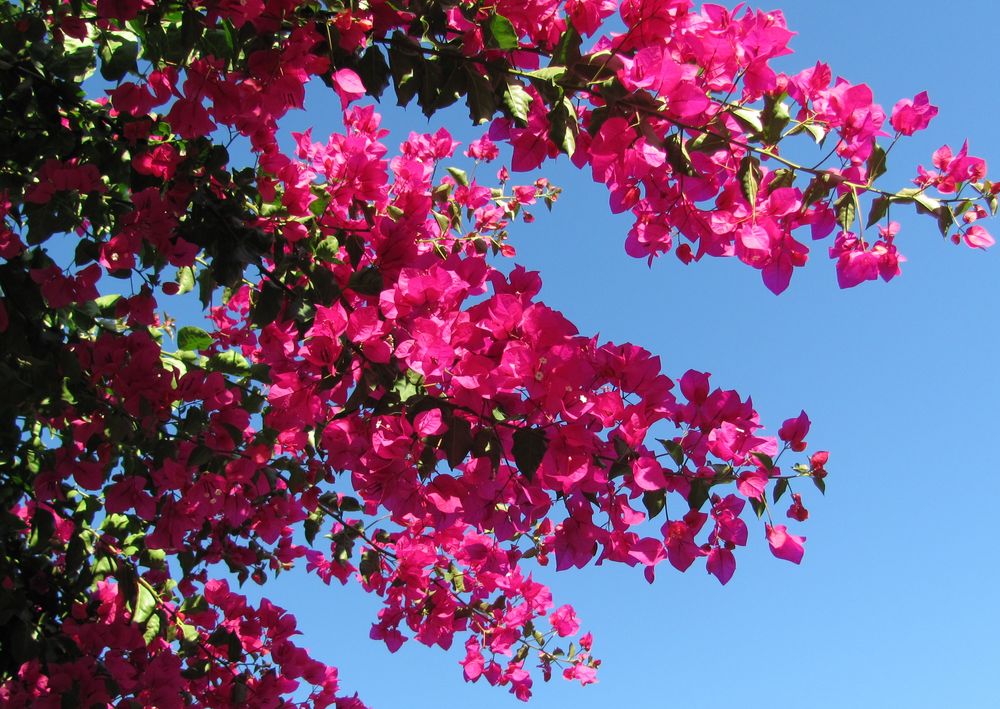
{"x": 564, "y": 621}
{"x": 978, "y": 238}
{"x": 348, "y": 86}
{"x": 721, "y": 563}
{"x": 911, "y": 115}
{"x": 794, "y": 431}
{"x": 784, "y": 545}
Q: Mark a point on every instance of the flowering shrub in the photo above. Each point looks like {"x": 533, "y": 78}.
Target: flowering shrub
{"x": 368, "y": 381}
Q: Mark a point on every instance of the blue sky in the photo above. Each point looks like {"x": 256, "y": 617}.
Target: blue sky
{"x": 895, "y": 603}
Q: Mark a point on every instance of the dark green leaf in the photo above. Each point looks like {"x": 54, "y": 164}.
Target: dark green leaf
{"x": 678, "y": 156}
{"x": 674, "y": 449}
{"x": 698, "y": 496}
{"x": 374, "y": 71}
{"x": 480, "y": 96}
{"x": 366, "y": 282}
{"x": 820, "y": 484}
{"x": 567, "y": 51}
{"x": 783, "y": 177}
{"x": 528, "y": 450}
{"x": 946, "y": 220}
{"x": 267, "y": 304}
{"x": 655, "y": 501}
{"x": 775, "y": 117}
{"x": 880, "y": 207}
{"x": 819, "y": 187}
{"x": 119, "y": 54}
{"x": 403, "y": 65}
{"x": 457, "y": 441}
{"x": 780, "y": 488}
{"x": 876, "y": 165}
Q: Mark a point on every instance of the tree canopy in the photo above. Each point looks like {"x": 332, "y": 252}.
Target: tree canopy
{"x": 376, "y": 395}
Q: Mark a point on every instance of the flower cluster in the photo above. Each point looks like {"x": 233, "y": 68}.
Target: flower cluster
{"x": 371, "y": 396}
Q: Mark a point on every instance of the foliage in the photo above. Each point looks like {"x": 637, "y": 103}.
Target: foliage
{"x": 372, "y": 397}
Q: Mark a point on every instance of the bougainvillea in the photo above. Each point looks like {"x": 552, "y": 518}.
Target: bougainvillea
{"x": 373, "y": 396}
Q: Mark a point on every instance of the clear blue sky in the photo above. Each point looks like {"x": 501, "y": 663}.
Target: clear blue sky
{"x": 895, "y": 604}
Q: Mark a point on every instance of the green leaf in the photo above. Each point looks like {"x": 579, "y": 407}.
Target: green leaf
{"x": 819, "y": 187}
{"x": 550, "y": 74}
{"x": 43, "y": 526}
{"x": 350, "y": 504}
{"x": 674, "y": 449}
{"x": 928, "y": 204}
{"x": 517, "y": 101}
{"x": 189, "y": 632}
{"x": 77, "y": 61}
{"x": 502, "y": 32}
{"x": 783, "y": 177}
{"x": 817, "y": 132}
{"x": 106, "y": 303}
{"x": 460, "y": 176}
{"x": 145, "y": 604}
{"x": 185, "y": 279}
{"x": 456, "y": 577}
{"x": 229, "y": 362}
{"x": 925, "y": 203}
{"x": 846, "y": 209}
{"x": 759, "y": 506}
{"x": 192, "y": 338}
{"x": 220, "y": 42}
{"x": 528, "y": 450}
{"x": 750, "y": 116}
{"x": 765, "y": 460}
{"x": 152, "y": 628}
{"x": 563, "y": 126}
{"x": 409, "y": 385}
{"x": 776, "y": 116}
{"x": 749, "y": 174}
{"x": 328, "y": 250}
